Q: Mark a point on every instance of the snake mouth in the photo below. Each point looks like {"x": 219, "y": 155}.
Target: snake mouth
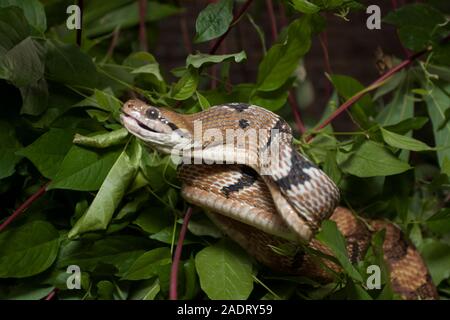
{"x": 137, "y": 121}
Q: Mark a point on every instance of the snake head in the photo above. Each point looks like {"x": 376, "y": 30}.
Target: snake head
{"x": 157, "y": 127}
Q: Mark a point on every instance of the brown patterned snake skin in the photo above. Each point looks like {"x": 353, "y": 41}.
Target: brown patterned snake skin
{"x": 261, "y": 206}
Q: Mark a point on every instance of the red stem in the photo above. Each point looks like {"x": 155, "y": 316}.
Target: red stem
{"x": 273, "y": 23}
{"x": 142, "y": 29}
{"x": 323, "y": 37}
{"x": 359, "y": 95}
{"x": 51, "y": 295}
{"x": 24, "y": 206}
{"x": 241, "y": 11}
{"x": 296, "y": 112}
{"x": 173, "y": 292}
{"x": 283, "y": 17}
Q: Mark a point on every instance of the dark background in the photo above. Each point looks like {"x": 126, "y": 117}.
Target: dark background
{"x": 351, "y": 47}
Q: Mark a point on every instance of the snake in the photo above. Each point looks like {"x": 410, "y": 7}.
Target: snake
{"x": 239, "y": 163}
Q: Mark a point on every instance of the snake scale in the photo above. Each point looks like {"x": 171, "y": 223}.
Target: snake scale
{"x": 263, "y": 194}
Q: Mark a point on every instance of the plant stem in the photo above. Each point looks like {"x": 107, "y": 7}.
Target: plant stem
{"x": 24, "y": 206}
{"x": 371, "y": 87}
{"x": 142, "y": 29}
{"x": 323, "y": 39}
{"x": 295, "y": 111}
{"x": 273, "y": 23}
{"x": 173, "y": 293}
{"x": 241, "y": 11}
{"x": 51, "y": 295}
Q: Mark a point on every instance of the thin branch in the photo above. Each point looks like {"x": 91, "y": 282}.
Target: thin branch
{"x": 373, "y": 86}
{"x": 112, "y": 46}
{"x": 142, "y": 29}
{"x": 79, "y": 31}
{"x": 51, "y": 295}
{"x": 296, "y": 111}
{"x": 283, "y": 17}
{"x": 323, "y": 39}
{"x": 295, "y": 108}
{"x": 173, "y": 292}
{"x": 241, "y": 11}
{"x": 273, "y": 22}
{"x": 24, "y": 206}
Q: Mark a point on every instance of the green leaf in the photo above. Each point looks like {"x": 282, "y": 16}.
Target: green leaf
{"x": 213, "y": 21}
{"x": 28, "y": 292}
{"x": 200, "y": 59}
{"x": 347, "y": 87}
{"x": 437, "y": 257}
{"x": 23, "y": 64}
{"x": 146, "y": 266}
{"x": 272, "y": 100}
{"x": 133, "y": 206}
{"x": 66, "y": 63}
{"x": 147, "y": 68}
{"x": 105, "y": 290}
{"x": 191, "y": 280}
{"x": 147, "y": 290}
{"x": 282, "y": 59}
{"x": 152, "y": 221}
{"x": 403, "y": 142}
{"x": 225, "y": 271}
{"x": 119, "y": 251}
{"x": 437, "y": 105}
{"x": 102, "y": 140}
{"x": 331, "y": 168}
{"x": 13, "y": 29}
{"x": 416, "y": 36}
{"x": 126, "y": 16}
{"x": 33, "y": 11}
{"x": 151, "y": 68}
{"x": 186, "y": 86}
{"x": 48, "y": 151}
{"x": 8, "y": 148}
{"x": 407, "y": 125}
{"x": 332, "y": 238}
{"x": 440, "y": 222}
{"x": 28, "y": 250}
{"x": 115, "y": 185}
{"x": 370, "y": 159}
{"x": 400, "y": 108}
{"x": 83, "y": 169}
{"x": 305, "y": 6}
{"x": 203, "y": 102}
{"x": 35, "y": 98}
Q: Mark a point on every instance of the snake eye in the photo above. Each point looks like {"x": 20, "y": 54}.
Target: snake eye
{"x": 152, "y": 113}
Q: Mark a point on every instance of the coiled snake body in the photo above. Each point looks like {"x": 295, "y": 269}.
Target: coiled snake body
{"x": 263, "y": 194}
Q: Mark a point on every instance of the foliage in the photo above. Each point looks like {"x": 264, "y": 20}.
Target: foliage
{"x": 114, "y": 209}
